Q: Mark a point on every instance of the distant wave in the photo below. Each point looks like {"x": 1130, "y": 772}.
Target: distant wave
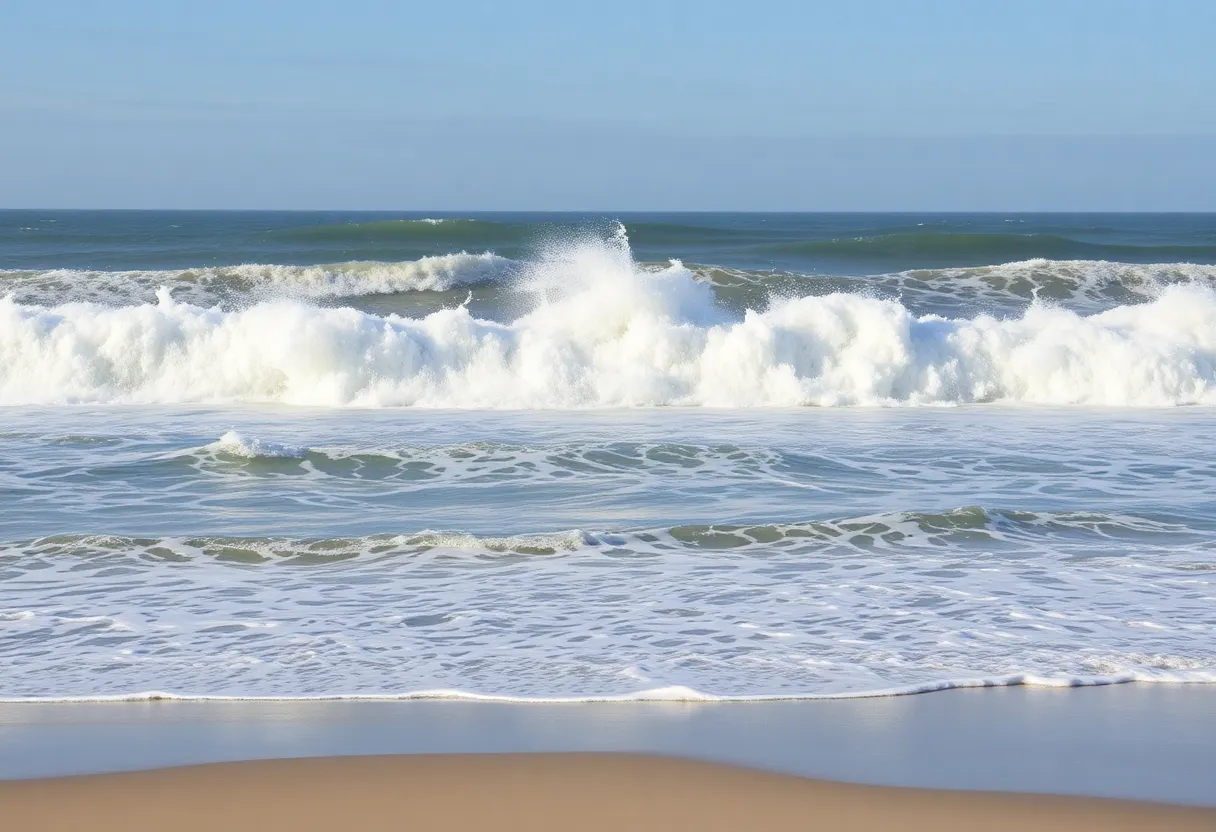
{"x": 917, "y": 245}
{"x": 1081, "y": 285}
{"x": 481, "y": 232}
{"x": 1071, "y": 281}
{"x": 430, "y": 229}
{"x": 610, "y": 334}
{"x": 973, "y": 249}
{"x": 208, "y": 285}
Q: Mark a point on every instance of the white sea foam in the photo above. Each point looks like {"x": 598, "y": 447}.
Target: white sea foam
{"x": 205, "y": 286}
{"x": 236, "y": 444}
{"x": 1083, "y": 285}
{"x": 869, "y": 605}
{"x": 609, "y": 334}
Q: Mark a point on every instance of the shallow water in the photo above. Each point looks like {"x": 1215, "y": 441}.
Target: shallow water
{"x": 281, "y": 481}
{"x": 602, "y": 554}
{"x": 1143, "y": 742}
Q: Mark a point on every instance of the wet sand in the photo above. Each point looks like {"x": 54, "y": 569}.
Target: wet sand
{"x": 1150, "y": 742}
{"x": 537, "y": 792}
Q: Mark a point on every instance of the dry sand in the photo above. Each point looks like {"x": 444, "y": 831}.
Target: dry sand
{"x": 536, "y": 792}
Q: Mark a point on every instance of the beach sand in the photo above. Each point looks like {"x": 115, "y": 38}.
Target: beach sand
{"x": 536, "y": 792}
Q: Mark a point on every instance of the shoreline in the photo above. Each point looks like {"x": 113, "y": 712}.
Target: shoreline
{"x": 1151, "y": 742}
{"x": 675, "y": 693}
{"x": 537, "y": 792}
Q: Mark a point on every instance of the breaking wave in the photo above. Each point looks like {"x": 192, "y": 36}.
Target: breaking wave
{"x": 606, "y": 333}
{"x": 1081, "y": 285}
{"x": 942, "y": 248}
{"x": 252, "y": 282}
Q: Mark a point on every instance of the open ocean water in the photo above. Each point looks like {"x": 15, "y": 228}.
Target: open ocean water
{"x": 587, "y": 457}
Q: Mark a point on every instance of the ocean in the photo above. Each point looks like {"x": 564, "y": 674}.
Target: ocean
{"x": 603, "y": 456}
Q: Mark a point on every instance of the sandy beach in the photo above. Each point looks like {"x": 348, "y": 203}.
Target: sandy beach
{"x": 667, "y": 416}
{"x": 536, "y": 792}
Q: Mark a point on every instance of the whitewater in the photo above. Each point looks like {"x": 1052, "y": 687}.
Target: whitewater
{"x": 606, "y": 332}
{"x": 572, "y": 458}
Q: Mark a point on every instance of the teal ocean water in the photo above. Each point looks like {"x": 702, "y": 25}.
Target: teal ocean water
{"x": 570, "y": 456}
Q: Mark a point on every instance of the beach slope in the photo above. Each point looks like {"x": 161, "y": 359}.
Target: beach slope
{"x": 536, "y": 792}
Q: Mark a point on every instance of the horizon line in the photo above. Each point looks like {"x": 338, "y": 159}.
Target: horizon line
{"x": 921, "y": 211}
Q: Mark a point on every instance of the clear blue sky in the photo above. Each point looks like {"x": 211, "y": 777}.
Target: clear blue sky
{"x": 768, "y": 104}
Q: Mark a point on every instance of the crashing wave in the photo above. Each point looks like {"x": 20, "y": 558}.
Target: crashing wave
{"x": 607, "y": 333}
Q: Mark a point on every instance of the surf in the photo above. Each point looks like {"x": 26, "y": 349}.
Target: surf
{"x": 606, "y": 332}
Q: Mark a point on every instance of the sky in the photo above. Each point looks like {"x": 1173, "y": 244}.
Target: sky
{"x": 533, "y": 104}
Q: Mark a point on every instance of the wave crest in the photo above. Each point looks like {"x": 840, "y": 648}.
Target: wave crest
{"x": 253, "y": 281}
{"x": 990, "y": 533}
{"x": 608, "y": 333}
{"x": 250, "y": 447}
